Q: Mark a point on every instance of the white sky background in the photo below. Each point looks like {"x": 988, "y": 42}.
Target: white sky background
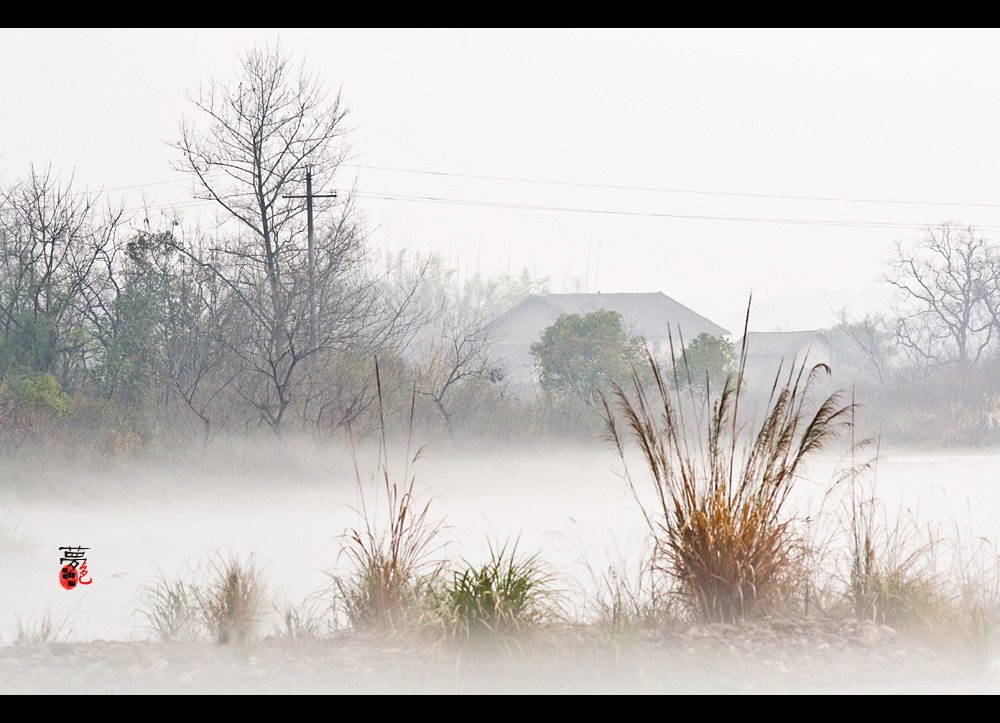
{"x": 905, "y": 115}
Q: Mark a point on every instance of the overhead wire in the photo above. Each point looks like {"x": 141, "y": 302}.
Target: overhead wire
{"x": 389, "y": 196}
{"x": 651, "y": 214}
{"x": 841, "y": 199}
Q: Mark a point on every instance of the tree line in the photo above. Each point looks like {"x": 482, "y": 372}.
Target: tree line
{"x": 130, "y": 327}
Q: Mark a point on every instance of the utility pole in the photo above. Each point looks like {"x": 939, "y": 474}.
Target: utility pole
{"x": 313, "y": 332}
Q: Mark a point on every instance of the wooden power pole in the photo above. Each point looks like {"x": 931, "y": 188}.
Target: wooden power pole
{"x": 309, "y": 196}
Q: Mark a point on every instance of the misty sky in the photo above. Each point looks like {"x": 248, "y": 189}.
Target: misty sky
{"x": 875, "y": 115}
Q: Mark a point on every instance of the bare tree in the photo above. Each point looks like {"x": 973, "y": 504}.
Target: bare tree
{"x": 263, "y": 133}
{"x": 949, "y": 285}
{"x": 453, "y": 340}
{"x": 869, "y": 334}
{"x": 460, "y": 353}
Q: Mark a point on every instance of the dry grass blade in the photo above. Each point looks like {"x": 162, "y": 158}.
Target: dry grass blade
{"x": 14, "y": 538}
{"x": 392, "y": 563}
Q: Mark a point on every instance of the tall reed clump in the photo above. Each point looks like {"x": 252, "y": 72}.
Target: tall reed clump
{"x": 393, "y": 562}
{"x": 718, "y": 521}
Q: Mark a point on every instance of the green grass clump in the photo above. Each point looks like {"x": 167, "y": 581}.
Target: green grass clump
{"x": 503, "y": 598}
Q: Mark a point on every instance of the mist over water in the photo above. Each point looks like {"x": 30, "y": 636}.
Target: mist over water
{"x": 290, "y": 508}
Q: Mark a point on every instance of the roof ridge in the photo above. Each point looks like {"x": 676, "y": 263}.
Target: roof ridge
{"x": 796, "y": 331}
{"x": 660, "y": 294}
{"x": 688, "y": 308}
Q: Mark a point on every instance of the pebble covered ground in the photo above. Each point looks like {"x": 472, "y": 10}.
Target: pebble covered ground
{"x": 765, "y": 657}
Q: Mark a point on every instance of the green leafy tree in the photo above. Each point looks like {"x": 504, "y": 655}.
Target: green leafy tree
{"x": 705, "y": 364}
{"x": 31, "y": 406}
{"x": 43, "y": 394}
{"x": 582, "y": 355}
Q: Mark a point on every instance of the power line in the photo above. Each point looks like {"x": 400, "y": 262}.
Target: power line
{"x": 141, "y": 185}
{"x": 651, "y": 189}
{"x": 651, "y": 214}
{"x": 676, "y": 190}
{"x": 373, "y": 195}
{"x": 198, "y": 202}
{"x": 181, "y": 205}
{"x": 124, "y": 188}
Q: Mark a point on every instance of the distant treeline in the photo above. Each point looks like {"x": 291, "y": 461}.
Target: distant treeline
{"x": 118, "y": 330}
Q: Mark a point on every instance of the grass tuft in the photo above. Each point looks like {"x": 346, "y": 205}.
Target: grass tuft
{"x": 892, "y": 578}
{"x": 500, "y": 600}
{"x": 309, "y": 619}
{"x": 631, "y": 598}
{"x": 170, "y": 608}
{"x": 227, "y": 604}
{"x": 41, "y": 628}
{"x": 232, "y": 601}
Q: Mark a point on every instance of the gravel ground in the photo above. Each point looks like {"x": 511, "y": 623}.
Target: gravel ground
{"x": 768, "y": 657}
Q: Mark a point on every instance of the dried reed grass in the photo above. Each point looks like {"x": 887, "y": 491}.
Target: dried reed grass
{"x": 719, "y": 521}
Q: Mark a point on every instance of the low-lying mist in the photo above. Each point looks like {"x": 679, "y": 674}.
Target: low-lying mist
{"x": 288, "y": 505}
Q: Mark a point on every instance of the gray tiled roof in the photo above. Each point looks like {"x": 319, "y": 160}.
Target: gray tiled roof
{"x": 784, "y": 343}
{"x": 649, "y": 314}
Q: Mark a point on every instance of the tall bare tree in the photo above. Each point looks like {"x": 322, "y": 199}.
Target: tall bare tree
{"x": 263, "y": 133}
{"x": 254, "y": 141}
